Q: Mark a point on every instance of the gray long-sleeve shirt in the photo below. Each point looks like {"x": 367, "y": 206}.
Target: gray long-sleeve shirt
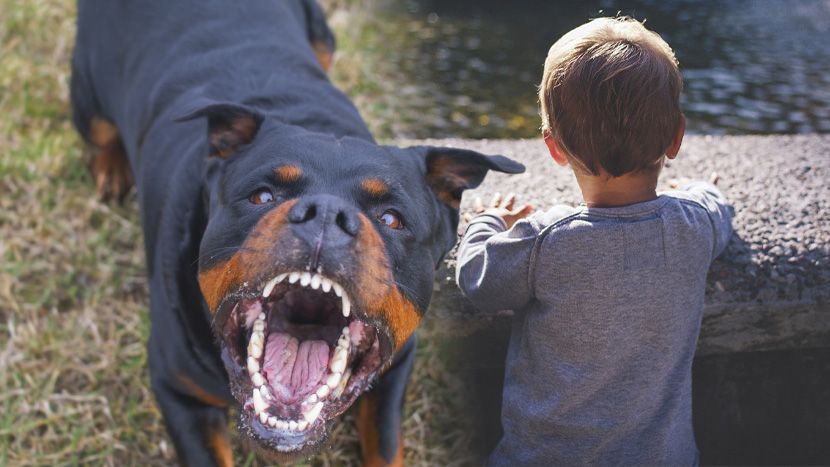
{"x": 608, "y": 307}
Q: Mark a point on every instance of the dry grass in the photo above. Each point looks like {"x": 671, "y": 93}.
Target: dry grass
{"x": 73, "y": 295}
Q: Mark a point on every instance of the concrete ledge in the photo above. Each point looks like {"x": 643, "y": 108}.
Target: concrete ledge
{"x": 770, "y": 290}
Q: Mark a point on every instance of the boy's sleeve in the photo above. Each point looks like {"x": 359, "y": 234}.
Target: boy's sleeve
{"x": 720, "y": 212}
{"x": 493, "y": 262}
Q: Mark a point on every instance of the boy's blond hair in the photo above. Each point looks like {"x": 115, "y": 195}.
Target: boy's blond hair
{"x": 610, "y": 96}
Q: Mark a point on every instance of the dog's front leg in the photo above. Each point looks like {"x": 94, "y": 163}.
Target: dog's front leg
{"x": 196, "y": 421}
{"x": 380, "y": 413}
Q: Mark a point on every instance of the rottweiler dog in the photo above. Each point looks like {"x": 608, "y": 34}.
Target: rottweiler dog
{"x": 290, "y": 257}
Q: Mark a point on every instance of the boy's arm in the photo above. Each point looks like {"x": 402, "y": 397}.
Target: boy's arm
{"x": 720, "y": 212}
{"x": 494, "y": 263}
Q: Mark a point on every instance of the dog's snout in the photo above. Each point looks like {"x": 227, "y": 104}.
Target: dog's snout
{"x": 325, "y": 213}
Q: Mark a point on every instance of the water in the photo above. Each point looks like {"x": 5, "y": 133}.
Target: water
{"x": 470, "y": 67}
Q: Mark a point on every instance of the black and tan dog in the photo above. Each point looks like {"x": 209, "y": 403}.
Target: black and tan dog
{"x": 290, "y": 257}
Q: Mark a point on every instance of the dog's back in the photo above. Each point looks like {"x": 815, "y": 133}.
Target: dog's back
{"x": 154, "y": 59}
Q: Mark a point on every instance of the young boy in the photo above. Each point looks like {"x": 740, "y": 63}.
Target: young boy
{"x": 608, "y": 295}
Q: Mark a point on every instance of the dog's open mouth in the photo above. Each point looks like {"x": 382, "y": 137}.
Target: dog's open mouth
{"x": 307, "y": 355}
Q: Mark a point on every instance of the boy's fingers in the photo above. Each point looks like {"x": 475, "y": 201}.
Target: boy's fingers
{"x": 478, "y": 205}
{"x": 525, "y": 210}
{"x": 496, "y": 200}
{"x": 508, "y": 202}
{"x": 714, "y": 178}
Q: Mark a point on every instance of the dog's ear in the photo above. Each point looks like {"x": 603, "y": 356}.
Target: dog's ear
{"x": 229, "y": 126}
{"x": 450, "y": 171}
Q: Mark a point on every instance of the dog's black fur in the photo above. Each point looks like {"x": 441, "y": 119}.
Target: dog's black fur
{"x": 157, "y": 71}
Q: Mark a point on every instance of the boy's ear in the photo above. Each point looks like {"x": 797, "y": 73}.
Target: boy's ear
{"x": 450, "y": 171}
{"x": 672, "y": 151}
{"x": 229, "y": 125}
{"x": 553, "y": 148}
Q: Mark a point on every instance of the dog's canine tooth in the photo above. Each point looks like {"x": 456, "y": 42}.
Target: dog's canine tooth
{"x": 253, "y": 365}
{"x": 342, "y": 386}
{"x": 323, "y": 391}
{"x": 312, "y": 399}
{"x": 338, "y": 363}
{"x": 263, "y": 417}
{"x": 313, "y": 413}
{"x": 302, "y": 425}
{"x": 257, "y": 379}
{"x": 325, "y": 282}
{"x": 293, "y": 277}
{"x": 333, "y": 379}
{"x": 281, "y": 277}
{"x": 315, "y": 281}
{"x": 337, "y": 289}
{"x": 272, "y": 421}
{"x": 269, "y": 287}
{"x": 305, "y": 279}
{"x": 347, "y": 305}
{"x": 259, "y": 402}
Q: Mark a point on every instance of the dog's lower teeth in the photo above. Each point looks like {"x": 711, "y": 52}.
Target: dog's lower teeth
{"x": 323, "y": 391}
{"x": 257, "y": 379}
{"x": 311, "y": 415}
{"x": 342, "y": 386}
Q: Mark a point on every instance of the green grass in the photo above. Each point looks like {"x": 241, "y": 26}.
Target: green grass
{"x": 73, "y": 294}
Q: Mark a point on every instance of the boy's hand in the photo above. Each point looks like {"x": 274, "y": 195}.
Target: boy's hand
{"x": 505, "y": 209}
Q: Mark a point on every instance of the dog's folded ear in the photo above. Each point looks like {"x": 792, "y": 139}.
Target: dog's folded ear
{"x": 229, "y": 125}
{"x": 450, "y": 171}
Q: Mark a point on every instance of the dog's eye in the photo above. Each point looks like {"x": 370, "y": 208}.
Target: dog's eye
{"x": 391, "y": 219}
{"x": 262, "y": 196}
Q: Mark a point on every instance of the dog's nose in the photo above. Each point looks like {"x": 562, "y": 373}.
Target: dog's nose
{"x": 325, "y": 215}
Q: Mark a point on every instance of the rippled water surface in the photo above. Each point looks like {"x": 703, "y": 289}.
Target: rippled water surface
{"x": 470, "y": 67}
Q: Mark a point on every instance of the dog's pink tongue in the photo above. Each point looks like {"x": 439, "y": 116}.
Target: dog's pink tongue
{"x": 294, "y": 368}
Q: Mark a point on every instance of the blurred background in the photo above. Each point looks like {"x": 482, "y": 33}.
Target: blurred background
{"x": 73, "y": 295}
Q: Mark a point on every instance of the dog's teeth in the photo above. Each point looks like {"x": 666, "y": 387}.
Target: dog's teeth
{"x": 282, "y": 424}
{"x": 281, "y": 277}
{"x": 261, "y": 317}
{"x": 315, "y": 281}
{"x": 257, "y": 379}
{"x": 293, "y": 277}
{"x": 305, "y": 279}
{"x": 347, "y": 305}
{"x": 253, "y": 365}
{"x": 259, "y": 326}
{"x": 342, "y": 386}
{"x": 263, "y": 417}
{"x": 255, "y": 347}
{"x": 345, "y": 331}
{"x": 266, "y": 394}
{"x": 338, "y": 363}
{"x": 312, "y": 399}
{"x": 323, "y": 391}
{"x": 325, "y": 282}
{"x": 313, "y": 413}
{"x": 269, "y": 287}
{"x": 272, "y": 421}
{"x": 333, "y": 379}
{"x": 292, "y": 425}
{"x": 259, "y": 402}
{"x": 302, "y": 425}
{"x": 337, "y": 289}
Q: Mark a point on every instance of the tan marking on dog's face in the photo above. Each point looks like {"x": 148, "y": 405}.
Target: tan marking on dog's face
{"x": 246, "y": 263}
{"x": 381, "y": 296}
{"x": 288, "y": 174}
{"x": 374, "y": 187}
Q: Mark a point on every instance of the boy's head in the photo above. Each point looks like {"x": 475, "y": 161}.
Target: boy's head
{"x": 610, "y": 97}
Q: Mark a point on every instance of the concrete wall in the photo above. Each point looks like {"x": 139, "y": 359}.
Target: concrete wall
{"x": 762, "y": 370}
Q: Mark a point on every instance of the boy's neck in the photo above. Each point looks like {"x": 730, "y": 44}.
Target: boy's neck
{"x": 604, "y": 191}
